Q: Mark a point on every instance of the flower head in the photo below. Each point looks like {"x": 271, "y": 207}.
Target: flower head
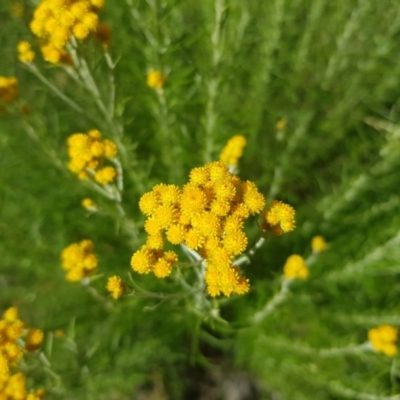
{"x": 56, "y": 21}
{"x": 89, "y": 204}
{"x": 25, "y": 52}
{"x": 155, "y": 79}
{"x": 295, "y": 268}
{"x": 116, "y": 286}
{"x": 78, "y": 260}
{"x": 8, "y": 89}
{"x": 318, "y": 244}
{"x": 88, "y": 153}
{"x": 279, "y": 218}
{"x": 383, "y": 339}
{"x": 233, "y": 150}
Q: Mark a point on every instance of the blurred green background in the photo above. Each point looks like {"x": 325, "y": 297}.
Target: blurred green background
{"x": 330, "y": 70}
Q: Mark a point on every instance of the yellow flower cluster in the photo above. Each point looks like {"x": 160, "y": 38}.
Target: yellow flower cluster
{"x": 295, "y": 268}
{"x": 383, "y": 339}
{"x": 233, "y": 150}
{"x": 25, "y": 52}
{"x": 15, "y": 338}
{"x": 155, "y": 79}
{"x": 116, "y": 286}
{"x": 8, "y": 89}
{"x": 88, "y": 152}
{"x": 279, "y": 218}
{"x": 318, "y": 244}
{"x": 79, "y": 261}
{"x": 55, "y": 21}
{"x": 207, "y": 215}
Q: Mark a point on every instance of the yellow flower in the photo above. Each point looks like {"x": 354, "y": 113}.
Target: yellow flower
{"x": 88, "y": 152}
{"x": 79, "y": 261}
{"x": 55, "y": 22}
{"x": 318, "y": 244}
{"x": 155, "y": 79}
{"x": 383, "y": 339}
{"x": 89, "y": 204}
{"x": 233, "y": 150}
{"x": 116, "y": 286}
{"x": 206, "y": 215}
{"x": 25, "y": 52}
{"x": 11, "y": 314}
{"x": 34, "y": 339}
{"x": 295, "y": 268}
{"x": 8, "y": 89}
{"x": 143, "y": 260}
{"x": 281, "y": 216}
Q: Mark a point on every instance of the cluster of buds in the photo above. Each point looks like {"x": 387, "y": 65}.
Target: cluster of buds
{"x": 115, "y": 286}
{"x": 15, "y": 339}
{"x": 8, "y": 89}
{"x": 383, "y": 339}
{"x": 79, "y": 261}
{"x": 56, "y": 21}
{"x": 206, "y": 215}
{"x": 233, "y": 150}
{"x": 87, "y": 154}
{"x": 295, "y": 268}
{"x": 279, "y": 218}
{"x": 25, "y": 52}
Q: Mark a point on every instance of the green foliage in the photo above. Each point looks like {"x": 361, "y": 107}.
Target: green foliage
{"x": 331, "y": 71}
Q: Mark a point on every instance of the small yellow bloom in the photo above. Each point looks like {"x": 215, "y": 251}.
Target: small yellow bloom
{"x": 279, "y": 218}
{"x": 318, "y": 244}
{"x": 233, "y": 150}
{"x": 8, "y": 89}
{"x": 295, "y": 268}
{"x": 79, "y": 261}
{"x": 25, "y": 52}
{"x": 34, "y": 339}
{"x": 155, "y": 79}
{"x": 115, "y": 286}
{"x": 383, "y": 339}
{"x": 89, "y": 204}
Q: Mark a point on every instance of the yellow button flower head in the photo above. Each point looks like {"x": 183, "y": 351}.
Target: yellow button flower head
{"x": 295, "y": 268}
{"x": 89, "y": 204}
{"x": 88, "y": 152}
{"x": 116, "y": 286}
{"x": 233, "y": 150}
{"x": 318, "y": 244}
{"x": 34, "y": 339}
{"x": 13, "y": 335}
{"x": 8, "y": 89}
{"x": 383, "y": 339}
{"x": 279, "y": 218}
{"x": 25, "y": 52}
{"x": 56, "y": 21}
{"x": 207, "y": 215}
{"x": 79, "y": 261}
{"x": 155, "y": 79}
